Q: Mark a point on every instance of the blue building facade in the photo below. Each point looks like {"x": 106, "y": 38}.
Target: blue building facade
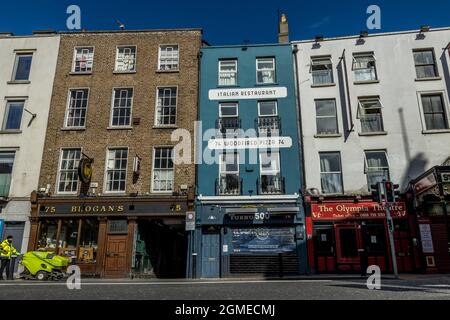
{"x": 249, "y": 213}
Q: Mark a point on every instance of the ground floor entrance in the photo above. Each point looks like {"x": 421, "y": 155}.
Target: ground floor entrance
{"x": 345, "y": 237}
{"x": 249, "y": 241}
{"x": 115, "y": 240}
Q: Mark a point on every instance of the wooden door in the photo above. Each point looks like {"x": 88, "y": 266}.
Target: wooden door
{"x": 348, "y": 242}
{"x": 116, "y": 256}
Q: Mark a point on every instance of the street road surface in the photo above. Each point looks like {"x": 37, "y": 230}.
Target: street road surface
{"x": 411, "y": 287}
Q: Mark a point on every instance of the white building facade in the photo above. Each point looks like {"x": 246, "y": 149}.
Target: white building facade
{"x": 27, "y": 65}
{"x": 372, "y": 107}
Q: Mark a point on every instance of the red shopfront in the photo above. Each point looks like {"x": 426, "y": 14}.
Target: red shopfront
{"x": 339, "y": 230}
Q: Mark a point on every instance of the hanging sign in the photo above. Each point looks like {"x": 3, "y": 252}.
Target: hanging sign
{"x": 248, "y": 93}
{"x": 85, "y": 170}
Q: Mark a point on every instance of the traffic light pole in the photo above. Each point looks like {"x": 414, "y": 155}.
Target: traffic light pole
{"x": 390, "y": 224}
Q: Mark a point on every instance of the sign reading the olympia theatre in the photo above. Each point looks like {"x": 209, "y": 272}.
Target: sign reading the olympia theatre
{"x": 248, "y": 93}
{"x": 339, "y": 211}
{"x": 250, "y": 143}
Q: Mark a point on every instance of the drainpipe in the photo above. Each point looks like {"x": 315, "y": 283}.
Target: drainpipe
{"x": 302, "y": 149}
{"x": 349, "y": 99}
{"x": 299, "y": 120}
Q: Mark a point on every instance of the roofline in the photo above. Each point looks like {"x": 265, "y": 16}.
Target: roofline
{"x": 130, "y": 31}
{"x": 248, "y": 45}
{"x": 381, "y": 34}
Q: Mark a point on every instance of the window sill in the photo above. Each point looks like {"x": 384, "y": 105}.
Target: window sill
{"x": 435, "y": 131}
{"x": 323, "y": 85}
{"x": 80, "y": 73}
{"x": 19, "y": 82}
{"x": 10, "y": 131}
{"x": 120, "y": 128}
{"x": 228, "y": 86}
{"x": 73, "y": 129}
{"x": 368, "y": 134}
{"x": 333, "y": 135}
{"x": 168, "y": 71}
{"x": 366, "y": 82}
{"x": 428, "y": 79}
{"x": 165, "y": 127}
{"x": 124, "y": 72}
{"x": 267, "y": 84}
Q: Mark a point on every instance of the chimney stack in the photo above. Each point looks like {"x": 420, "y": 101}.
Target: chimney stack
{"x": 283, "y": 30}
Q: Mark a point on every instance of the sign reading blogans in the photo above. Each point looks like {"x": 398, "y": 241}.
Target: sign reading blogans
{"x": 340, "y": 211}
{"x": 250, "y": 143}
{"x": 248, "y": 93}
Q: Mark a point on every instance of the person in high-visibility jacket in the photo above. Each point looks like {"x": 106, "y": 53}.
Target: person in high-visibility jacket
{"x": 6, "y": 251}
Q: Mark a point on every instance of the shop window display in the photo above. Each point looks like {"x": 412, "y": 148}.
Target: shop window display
{"x": 87, "y": 252}
{"x": 47, "y": 239}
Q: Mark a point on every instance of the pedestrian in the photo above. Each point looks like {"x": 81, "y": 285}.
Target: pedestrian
{"x": 6, "y": 251}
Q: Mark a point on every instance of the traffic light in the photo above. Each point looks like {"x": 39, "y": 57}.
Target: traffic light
{"x": 377, "y": 192}
{"x": 392, "y": 192}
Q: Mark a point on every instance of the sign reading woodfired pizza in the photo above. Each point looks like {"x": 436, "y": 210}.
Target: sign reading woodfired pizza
{"x": 342, "y": 211}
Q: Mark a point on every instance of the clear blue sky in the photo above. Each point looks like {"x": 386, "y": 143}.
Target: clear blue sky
{"x": 227, "y": 21}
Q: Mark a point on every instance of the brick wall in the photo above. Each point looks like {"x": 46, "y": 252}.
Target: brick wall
{"x": 141, "y": 139}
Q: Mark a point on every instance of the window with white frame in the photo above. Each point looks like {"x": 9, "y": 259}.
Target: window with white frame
{"x": 228, "y": 110}
{"x": 166, "y": 106}
{"x": 322, "y": 70}
{"x": 229, "y": 181}
{"x": 228, "y": 72}
{"x": 268, "y": 120}
{"x": 425, "y": 63}
{"x": 267, "y": 108}
{"x": 377, "y": 167}
{"x": 434, "y": 112}
{"x": 83, "y": 60}
{"x": 163, "y": 170}
{"x": 116, "y": 169}
{"x": 22, "y": 66}
{"x": 77, "y": 107}
{"x": 271, "y": 181}
{"x": 68, "y": 170}
{"x": 6, "y": 167}
{"x": 168, "y": 57}
{"x": 370, "y": 115}
{"x": 126, "y": 59}
{"x": 265, "y": 70}
{"x": 331, "y": 172}
{"x": 13, "y": 115}
{"x": 364, "y": 67}
{"x": 326, "y": 117}
{"x": 122, "y": 105}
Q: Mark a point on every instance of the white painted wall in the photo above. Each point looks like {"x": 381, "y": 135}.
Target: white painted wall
{"x": 410, "y": 151}
{"x": 28, "y": 144}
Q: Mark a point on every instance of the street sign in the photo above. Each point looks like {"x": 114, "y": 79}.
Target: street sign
{"x": 190, "y": 221}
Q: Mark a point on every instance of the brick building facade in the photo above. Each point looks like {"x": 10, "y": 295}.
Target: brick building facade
{"x": 119, "y": 96}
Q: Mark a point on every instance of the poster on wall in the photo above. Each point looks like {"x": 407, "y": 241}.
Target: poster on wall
{"x": 2, "y": 224}
{"x": 426, "y": 238}
{"x": 263, "y": 240}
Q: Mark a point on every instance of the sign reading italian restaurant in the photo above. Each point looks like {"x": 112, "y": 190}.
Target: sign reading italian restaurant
{"x": 248, "y": 93}
{"x": 341, "y": 211}
{"x": 250, "y": 143}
